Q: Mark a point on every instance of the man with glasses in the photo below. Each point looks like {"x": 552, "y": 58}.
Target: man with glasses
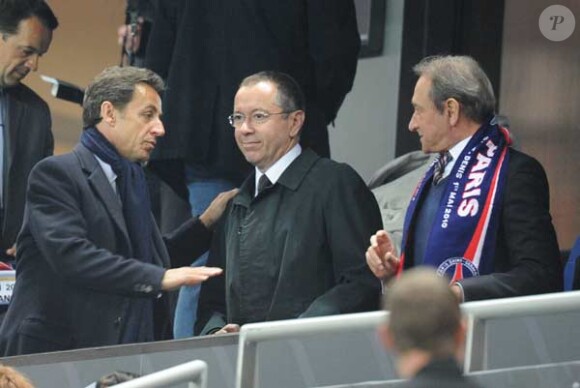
{"x": 291, "y": 240}
{"x": 203, "y": 49}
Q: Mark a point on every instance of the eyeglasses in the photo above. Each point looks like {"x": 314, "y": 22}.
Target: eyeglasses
{"x": 256, "y": 118}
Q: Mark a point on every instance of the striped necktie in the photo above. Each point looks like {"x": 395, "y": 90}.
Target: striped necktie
{"x": 440, "y": 163}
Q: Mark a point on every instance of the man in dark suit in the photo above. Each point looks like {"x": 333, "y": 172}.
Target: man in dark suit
{"x": 203, "y": 49}
{"x": 481, "y": 213}
{"x": 25, "y": 125}
{"x": 425, "y": 330}
{"x": 293, "y": 239}
{"x": 92, "y": 267}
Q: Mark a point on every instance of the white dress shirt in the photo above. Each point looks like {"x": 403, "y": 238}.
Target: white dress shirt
{"x": 278, "y": 168}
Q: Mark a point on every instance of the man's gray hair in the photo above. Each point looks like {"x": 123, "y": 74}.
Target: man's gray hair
{"x": 461, "y": 78}
{"x": 424, "y": 313}
{"x": 116, "y": 85}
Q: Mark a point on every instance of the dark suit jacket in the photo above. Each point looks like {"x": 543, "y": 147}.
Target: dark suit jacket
{"x": 440, "y": 374}
{"x": 205, "y": 48}
{"x": 28, "y": 139}
{"x": 527, "y": 257}
{"x": 76, "y": 276}
{"x": 295, "y": 250}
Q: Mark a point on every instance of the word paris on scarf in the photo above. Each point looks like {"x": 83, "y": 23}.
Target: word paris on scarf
{"x": 463, "y": 235}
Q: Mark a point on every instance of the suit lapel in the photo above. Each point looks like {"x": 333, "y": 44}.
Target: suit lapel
{"x": 101, "y": 186}
{"x": 15, "y": 110}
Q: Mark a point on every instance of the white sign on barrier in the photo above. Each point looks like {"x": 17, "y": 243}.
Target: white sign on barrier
{"x": 7, "y": 281}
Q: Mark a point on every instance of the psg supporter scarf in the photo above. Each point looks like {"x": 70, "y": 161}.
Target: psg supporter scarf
{"x": 463, "y": 236}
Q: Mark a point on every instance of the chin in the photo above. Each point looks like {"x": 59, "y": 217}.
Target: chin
{"x": 250, "y": 159}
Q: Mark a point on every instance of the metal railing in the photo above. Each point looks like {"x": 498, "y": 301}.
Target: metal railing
{"x": 253, "y": 333}
{"x": 193, "y": 372}
{"x": 476, "y": 313}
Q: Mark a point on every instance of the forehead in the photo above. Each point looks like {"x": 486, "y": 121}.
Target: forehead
{"x": 33, "y": 33}
{"x": 145, "y": 96}
{"x": 422, "y": 94}
{"x": 423, "y": 86}
{"x": 255, "y": 96}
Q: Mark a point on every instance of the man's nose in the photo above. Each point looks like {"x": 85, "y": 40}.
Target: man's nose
{"x": 245, "y": 127}
{"x": 158, "y": 129}
{"x": 32, "y": 62}
{"x": 412, "y": 125}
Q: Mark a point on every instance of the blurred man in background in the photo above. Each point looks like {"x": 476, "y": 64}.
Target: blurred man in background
{"x": 425, "y": 330}
{"x": 26, "y": 28}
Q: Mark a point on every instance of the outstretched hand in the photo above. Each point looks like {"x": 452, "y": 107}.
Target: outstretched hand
{"x": 187, "y": 276}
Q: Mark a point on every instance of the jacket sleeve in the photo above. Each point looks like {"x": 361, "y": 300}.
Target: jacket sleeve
{"x": 334, "y": 44}
{"x": 351, "y": 217}
{"x": 60, "y": 230}
{"x": 527, "y": 260}
{"x": 186, "y": 243}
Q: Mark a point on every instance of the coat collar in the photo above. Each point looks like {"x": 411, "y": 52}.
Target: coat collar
{"x": 291, "y": 178}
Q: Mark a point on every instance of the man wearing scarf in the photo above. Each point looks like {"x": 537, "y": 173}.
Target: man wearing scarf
{"x": 480, "y": 215}
{"x": 92, "y": 267}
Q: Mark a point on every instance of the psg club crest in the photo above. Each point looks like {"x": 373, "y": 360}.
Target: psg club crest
{"x": 457, "y": 268}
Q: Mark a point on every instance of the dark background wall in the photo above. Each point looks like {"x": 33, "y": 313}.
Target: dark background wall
{"x": 540, "y": 93}
{"x": 537, "y": 81}
{"x": 431, "y": 27}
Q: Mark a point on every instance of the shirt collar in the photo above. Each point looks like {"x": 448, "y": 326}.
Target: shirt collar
{"x": 455, "y": 152}
{"x": 278, "y": 168}
{"x": 108, "y": 170}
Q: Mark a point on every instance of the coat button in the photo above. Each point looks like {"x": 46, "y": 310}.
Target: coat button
{"x": 117, "y": 321}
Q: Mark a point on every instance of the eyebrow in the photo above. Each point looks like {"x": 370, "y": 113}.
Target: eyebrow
{"x": 33, "y": 49}
{"x": 153, "y": 108}
{"x": 254, "y": 110}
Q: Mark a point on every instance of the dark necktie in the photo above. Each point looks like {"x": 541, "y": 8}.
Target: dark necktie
{"x": 440, "y": 163}
{"x": 263, "y": 183}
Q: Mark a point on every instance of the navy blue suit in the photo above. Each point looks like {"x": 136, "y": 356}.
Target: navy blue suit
{"x": 76, "y": 275}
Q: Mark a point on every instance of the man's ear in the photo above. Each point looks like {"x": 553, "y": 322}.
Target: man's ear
{"x": 297, "y": 122}
{"x": 461, "y": 332}
{"x": 452, "y": 109}
{"x": 108, "y": 113}
{"x": 386, "y": 336}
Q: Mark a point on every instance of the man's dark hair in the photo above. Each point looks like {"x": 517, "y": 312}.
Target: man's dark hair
{"x": 116, "y": 85}
{"x": 115, "y": 378}
{"x": 12, "y": 12}
{"x": 289, "y": 97}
